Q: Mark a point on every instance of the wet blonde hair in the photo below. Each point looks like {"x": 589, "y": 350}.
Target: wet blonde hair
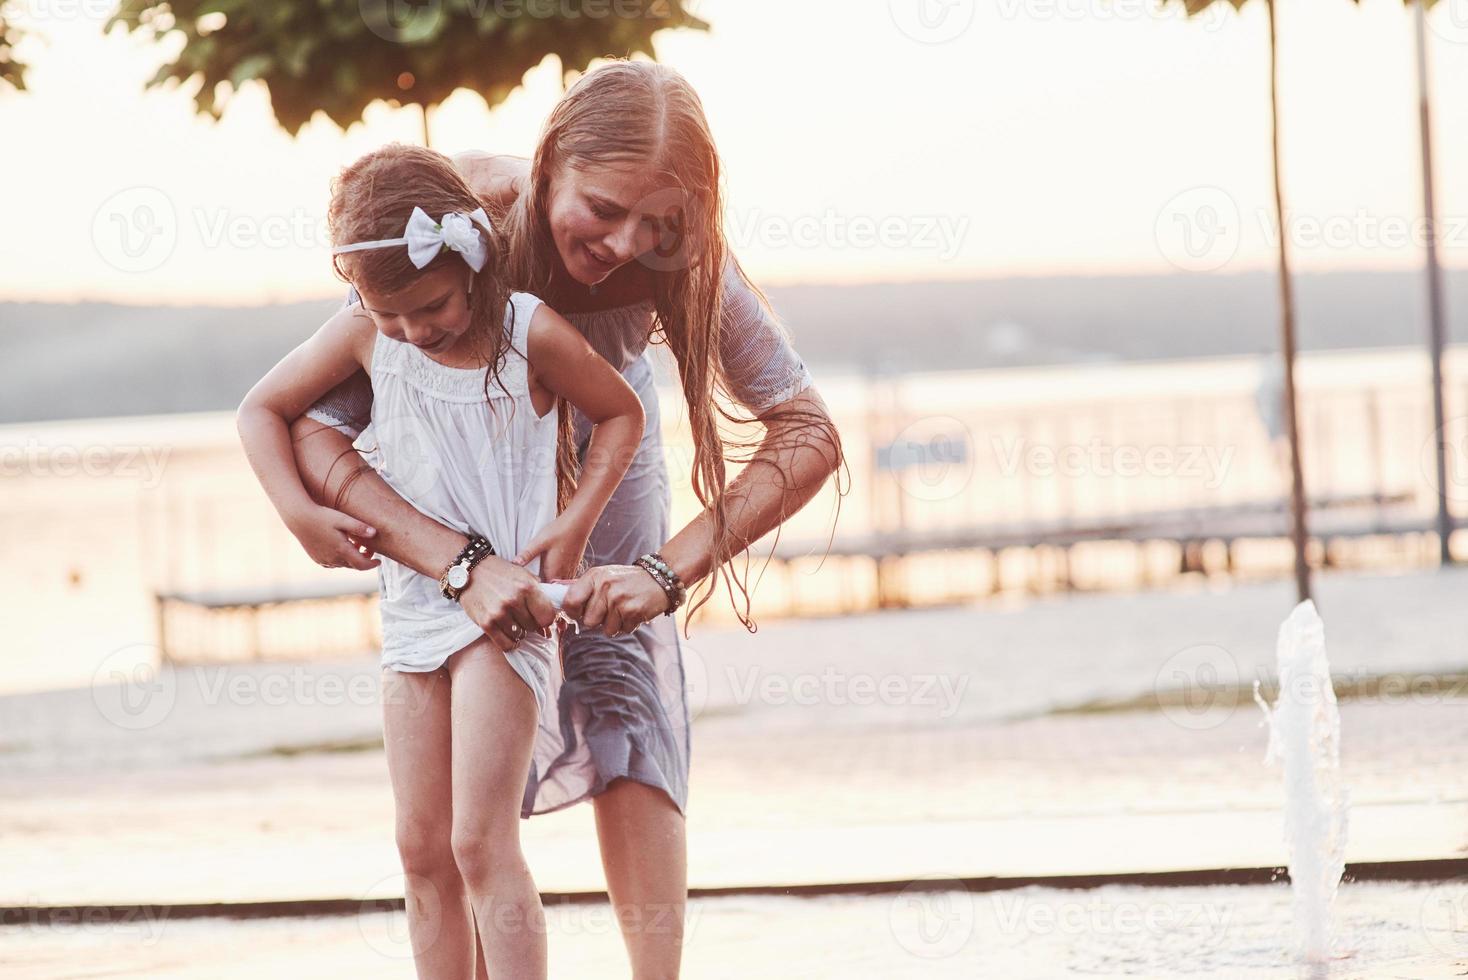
{"x": 645, "y": 114}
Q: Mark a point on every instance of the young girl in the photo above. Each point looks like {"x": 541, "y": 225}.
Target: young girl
{"x": 467, "y": 424}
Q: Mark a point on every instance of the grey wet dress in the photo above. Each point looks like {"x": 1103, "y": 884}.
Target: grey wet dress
{"x": 621, "y": 706}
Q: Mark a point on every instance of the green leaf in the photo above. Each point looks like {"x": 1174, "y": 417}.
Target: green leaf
{"x": 339, "y": 56}
{"x": 251, "y": 67}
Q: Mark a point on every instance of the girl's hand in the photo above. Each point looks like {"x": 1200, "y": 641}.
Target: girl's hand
{"x": 560, "y": 545}
{"x": 334, "y": 539}
{"x": 619, "y": 598}
{"x": 505, "y": 601}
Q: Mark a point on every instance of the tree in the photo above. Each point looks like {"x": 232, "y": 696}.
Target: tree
{"x": 1298, "y": 531}
{"x": 12, "y": 72}
{"x": 339, "y": 56}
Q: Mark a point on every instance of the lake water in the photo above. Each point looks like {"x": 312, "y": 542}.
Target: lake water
{"x": 100, "y": 514}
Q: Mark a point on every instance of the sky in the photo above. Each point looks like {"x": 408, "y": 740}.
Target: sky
{"x": 863, "y": 140}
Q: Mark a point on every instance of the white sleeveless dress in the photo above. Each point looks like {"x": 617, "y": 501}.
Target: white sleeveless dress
{"x": 481, "y": 465}
{"x": 620, "y": 709}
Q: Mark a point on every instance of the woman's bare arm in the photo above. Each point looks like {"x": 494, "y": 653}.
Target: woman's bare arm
{"x": 787, "y": 470}
{"x": 499, "y": 595}
{"x": 495, "y": 176}
{"x": 337, "y": 477}
{"x": 793, "y": 459}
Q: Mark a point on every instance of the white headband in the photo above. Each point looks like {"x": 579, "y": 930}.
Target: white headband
{"x": 426, "y": 238}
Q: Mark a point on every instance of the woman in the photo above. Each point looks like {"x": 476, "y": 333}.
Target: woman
{"x": 617, "y": 223}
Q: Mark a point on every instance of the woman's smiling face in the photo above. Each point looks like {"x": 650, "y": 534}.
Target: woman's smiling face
{"x": 603, "y": 218}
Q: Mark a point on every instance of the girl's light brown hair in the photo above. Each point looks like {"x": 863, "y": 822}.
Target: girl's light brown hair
{"x": 644, "y": 114}
{"x": 372, "y": 199}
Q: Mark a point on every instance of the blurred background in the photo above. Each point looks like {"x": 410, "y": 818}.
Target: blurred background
{"x": 1032, "y": 253}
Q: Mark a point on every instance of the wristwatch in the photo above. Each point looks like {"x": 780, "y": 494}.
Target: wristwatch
{"x": 455, "y": 578}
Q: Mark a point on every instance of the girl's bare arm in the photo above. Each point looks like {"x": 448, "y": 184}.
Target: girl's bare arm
{"x": 340, "y": 347}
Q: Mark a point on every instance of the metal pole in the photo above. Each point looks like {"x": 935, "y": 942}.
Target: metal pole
{"x": 1434, "y": 292}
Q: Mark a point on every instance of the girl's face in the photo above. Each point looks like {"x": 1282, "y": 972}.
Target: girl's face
{"x": 604, "y": 218}
{"x": 431, "y": 314}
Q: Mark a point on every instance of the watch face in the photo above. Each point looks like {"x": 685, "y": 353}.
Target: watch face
{"x": 458, "y": 577}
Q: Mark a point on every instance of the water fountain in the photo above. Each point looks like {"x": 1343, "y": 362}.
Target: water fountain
{"x": 1304, "y": 736}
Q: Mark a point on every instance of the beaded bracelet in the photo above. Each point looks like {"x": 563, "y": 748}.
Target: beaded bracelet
{"x": 662, "y": 573}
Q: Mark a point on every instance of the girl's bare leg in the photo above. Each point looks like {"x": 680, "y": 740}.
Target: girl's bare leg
{"x": 644, "y": 851}
{"x": 416, "y": 734}
{"x": 494, "y": 722}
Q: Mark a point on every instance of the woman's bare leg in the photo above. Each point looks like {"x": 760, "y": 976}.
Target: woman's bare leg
{"x": 494, "y": 722}
{"x": 416, "y": 734}
{"x": 644, "y": 851}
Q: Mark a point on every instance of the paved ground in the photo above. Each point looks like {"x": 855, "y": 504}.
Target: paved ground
{"x": 1069, "y": 794}
{"x": 1383, "y": 929}
{"x": 875, "y": 748}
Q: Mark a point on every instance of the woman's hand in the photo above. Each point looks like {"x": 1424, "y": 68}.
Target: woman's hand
{"x": 505, "y": 601}
{"x": 560, "y": 545}
{"x": 334, "y": 539}
{"x": 619, "y": 598}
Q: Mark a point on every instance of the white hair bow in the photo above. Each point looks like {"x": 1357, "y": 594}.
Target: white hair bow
{"x": 426, "y": 238}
